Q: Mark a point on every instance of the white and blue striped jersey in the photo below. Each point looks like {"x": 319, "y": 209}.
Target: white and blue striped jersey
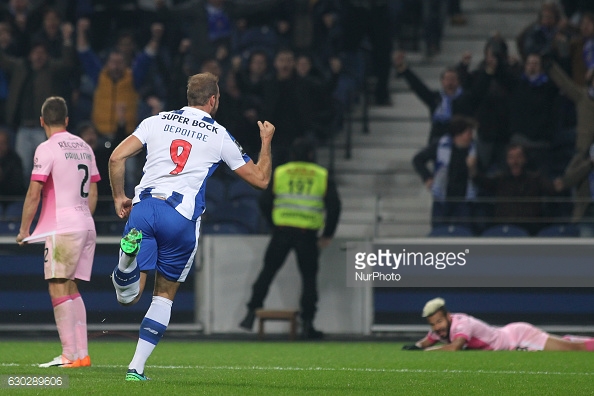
{"x": 184, "y": 147}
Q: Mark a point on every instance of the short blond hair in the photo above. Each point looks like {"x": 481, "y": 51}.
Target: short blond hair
{"x": 201, "y": 87}
{"x": 432, "y": 306}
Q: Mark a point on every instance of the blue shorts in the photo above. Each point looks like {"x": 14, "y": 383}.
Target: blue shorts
{"x": 169, "y": 240}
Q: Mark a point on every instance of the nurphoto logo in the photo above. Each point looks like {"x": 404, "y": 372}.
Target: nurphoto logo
{"x": 470, "y": 263}
{"x": 386, "y": 258}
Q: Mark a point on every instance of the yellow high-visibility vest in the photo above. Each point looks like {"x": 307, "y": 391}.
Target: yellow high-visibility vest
{"x": 299, "y": 189}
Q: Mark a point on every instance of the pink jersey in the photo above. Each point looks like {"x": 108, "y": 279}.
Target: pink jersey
{"x": 66, "y": 165}
{"x": 480, "y": 335}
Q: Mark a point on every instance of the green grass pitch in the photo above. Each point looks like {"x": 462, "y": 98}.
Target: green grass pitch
{"x": 302, "y": 368}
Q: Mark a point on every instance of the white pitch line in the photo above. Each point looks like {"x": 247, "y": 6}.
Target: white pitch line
{"x": 337, "y": 369}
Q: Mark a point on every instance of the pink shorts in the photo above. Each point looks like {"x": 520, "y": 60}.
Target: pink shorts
{"x": 524, "y": 336}
{"x": 70, "y": 256}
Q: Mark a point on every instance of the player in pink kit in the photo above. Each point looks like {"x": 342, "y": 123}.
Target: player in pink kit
{"x": 65, "y": 178}
{"x": 460, "y": 331}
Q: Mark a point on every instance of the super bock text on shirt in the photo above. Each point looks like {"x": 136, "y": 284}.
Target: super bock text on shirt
{"x": 189, "y": 144}
{"x": 185, "y": 131}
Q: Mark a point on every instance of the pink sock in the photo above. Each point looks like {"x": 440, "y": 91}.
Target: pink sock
{"x": 65, "y": 322}
{"x": 59, "y": 300}
{"x": 80, "y": 327}
{"x": 589, "y": 344}
{"x": 574, "y": 338}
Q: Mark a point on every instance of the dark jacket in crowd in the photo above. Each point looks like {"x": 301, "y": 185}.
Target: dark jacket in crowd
{"x": 465, "y": 104}
{"x": 12, "y": 181}
{"x": 518, "y": 200}
{"x": 532, "y": 110}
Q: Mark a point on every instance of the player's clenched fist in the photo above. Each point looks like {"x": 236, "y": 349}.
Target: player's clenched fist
{"x": 266, "y": 129}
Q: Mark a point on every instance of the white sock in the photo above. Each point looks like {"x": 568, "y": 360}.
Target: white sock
{"x": 126, "y": 294}
{"x": 126, "y": 264}
{"x": 152, "y": 328}
{"x": 126, "y": 281}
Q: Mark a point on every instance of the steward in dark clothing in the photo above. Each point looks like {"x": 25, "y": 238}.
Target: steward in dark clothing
{"x": 300, "y": 192}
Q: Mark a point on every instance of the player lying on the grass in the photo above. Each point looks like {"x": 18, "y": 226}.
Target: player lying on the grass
{"x": 459, "y": 331}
